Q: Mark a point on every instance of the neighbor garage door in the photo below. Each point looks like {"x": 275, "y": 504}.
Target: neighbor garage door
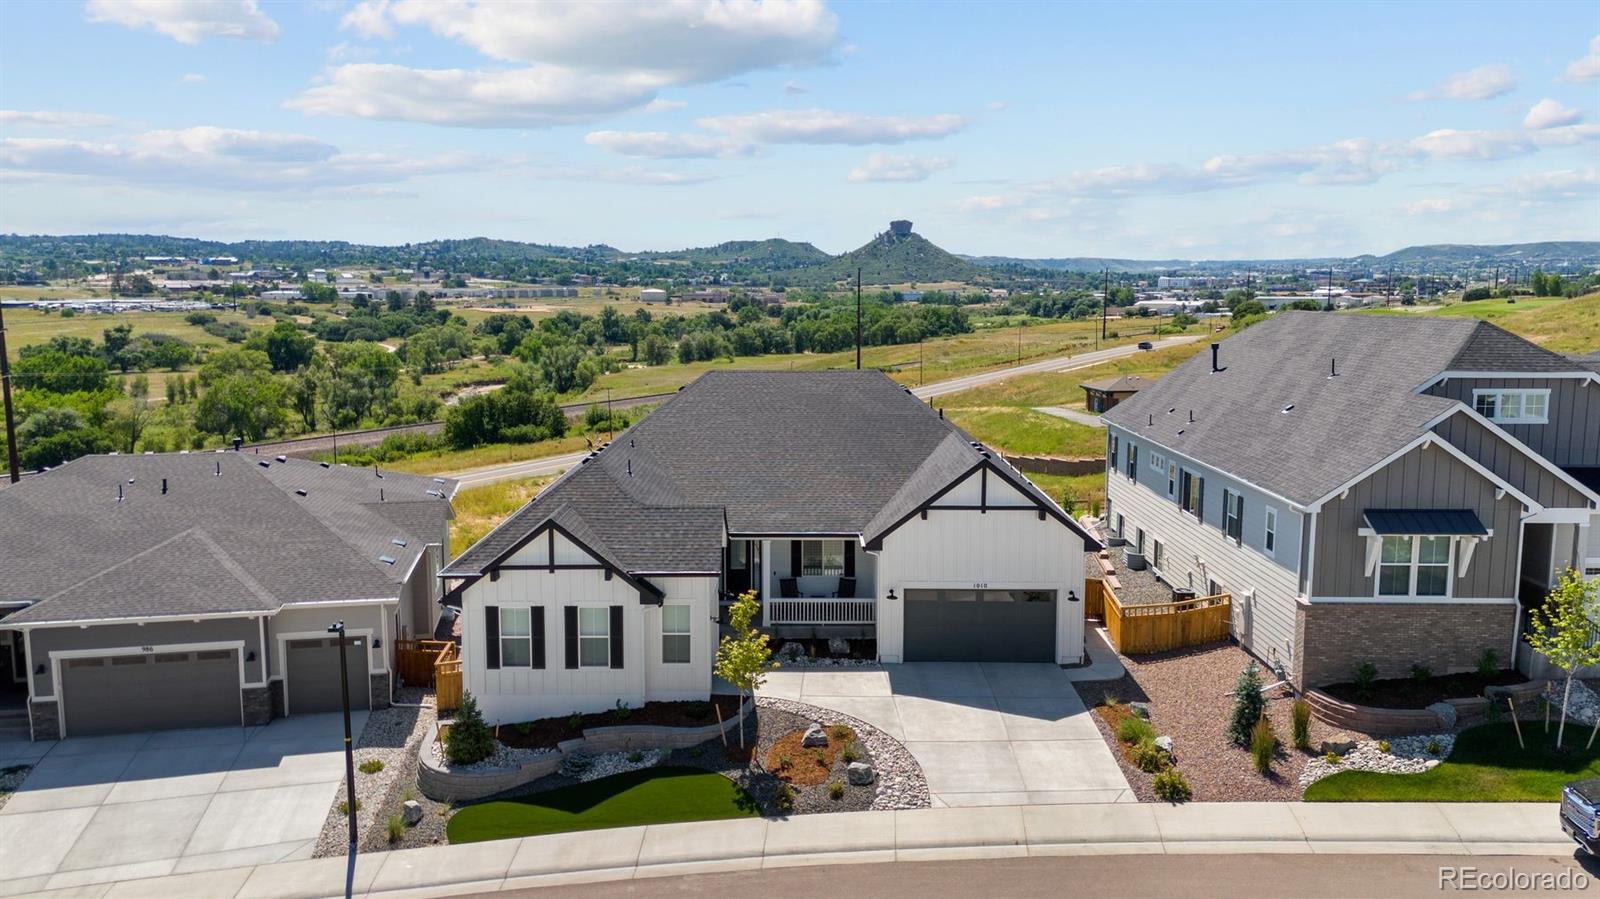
{"x": 980, "y": 625}
{"x": 151, "y": 691}
{"x": 313, "y": 667}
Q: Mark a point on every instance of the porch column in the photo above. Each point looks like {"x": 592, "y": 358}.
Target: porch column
{"x": 765, "y": 586}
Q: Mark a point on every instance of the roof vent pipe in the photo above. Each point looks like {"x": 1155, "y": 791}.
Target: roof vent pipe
{"x": 630, "y": 468}
{"x": 1215, "y": 349}
{"x": 163, "y": 486}
{"x": 1191, "y": 416}
{"x": 219, "y": 468}
{"x": 238, "y": 442}
{"x": 380, "y": 494}
{"x": 119, "y": 493}
{"x": 941, "y": 413}
{"x": 1333, "y": 367}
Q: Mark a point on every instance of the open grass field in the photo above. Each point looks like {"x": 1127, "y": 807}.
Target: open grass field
{"x": 1562, "y": 325}
{"x": 479, "y": 509}
{"x": 1076, "y": 493}
{"x": 475, "y": 311}
{"x": 25, "y": 327}
{"x": 1487, "y": 765}
{"x": 441, "y": 462}
{"x": 1025, "y": 432}
{"x": 649, "y": 796}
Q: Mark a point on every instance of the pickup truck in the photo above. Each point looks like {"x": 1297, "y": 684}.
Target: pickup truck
{"x": 1580, "y": 813}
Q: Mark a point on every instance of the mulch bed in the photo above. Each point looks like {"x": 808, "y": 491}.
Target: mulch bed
{"x": 1414, "y": 693}
{"x": 808, "y": 766}
{"x": 1188, "y": 692}
{"x": 546, "y": 733}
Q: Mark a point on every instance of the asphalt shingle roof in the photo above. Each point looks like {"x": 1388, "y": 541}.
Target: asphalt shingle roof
{"x": 1275, "y": 418}
{"x": 749, "y": 452}
{"x": 1118, "y": 384}
{"x": 229, "y": 535}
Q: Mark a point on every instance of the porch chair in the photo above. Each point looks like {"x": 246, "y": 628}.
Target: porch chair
{"x": 788, "y": 588}
{"x": 847, "y": 588}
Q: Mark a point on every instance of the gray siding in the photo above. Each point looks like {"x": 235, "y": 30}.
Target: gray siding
{"x": 1424, "y": 478}
{"x": 122, "y": 636}
{"x": 1572, "y": 436}
{"x": 1505, "y": 460}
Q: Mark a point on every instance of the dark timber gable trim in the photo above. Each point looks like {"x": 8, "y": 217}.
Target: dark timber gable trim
{"x": 649, "y": 593}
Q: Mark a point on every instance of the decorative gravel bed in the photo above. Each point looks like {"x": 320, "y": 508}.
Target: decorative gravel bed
{"x": 1583, "y": 706}
{"x": 900, "y": 784}
{"x": 819, "y": 654}
{"x": 392, "y": 736}
{"x": 1406, "y": 755}
{"x": 11, "y": 779}
{"x": 584, "y": 767}
{"x": 504, "y": 757}
{"x": 1139, "y": 588}
{"x": 1189, "y": 696}
{"x": 546, "y": 733}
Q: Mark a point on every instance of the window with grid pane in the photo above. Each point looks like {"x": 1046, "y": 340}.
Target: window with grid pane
{"x": 822, "y": 557}
{"x": 1433, "y": 566}
{"x": 675, "y": 642}
{"x": 594, "y": 637}
{"x": 1394, "y": 567}
{"x": 516, "y": 637}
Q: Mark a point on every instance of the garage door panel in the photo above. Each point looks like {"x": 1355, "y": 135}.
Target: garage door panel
{"x": 313, "y": 668}
{"x": 155, "y": 691}
{"x": 980, "y": 626}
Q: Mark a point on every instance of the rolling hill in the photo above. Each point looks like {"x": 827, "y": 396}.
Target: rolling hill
{"x": 772, "y": 254}
{"x": 896, "y": 256}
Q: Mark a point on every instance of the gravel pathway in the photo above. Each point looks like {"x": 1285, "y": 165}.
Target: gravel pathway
{"x": 1188, "y": 693}
{"x": 901, "y": 784}
{"x": 11, "y": 779}
{"x": 1139, "y": 588}
{"x": 392, "y": 736}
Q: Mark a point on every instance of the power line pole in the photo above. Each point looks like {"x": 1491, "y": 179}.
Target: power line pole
{"x": 1105, "y": 298}
{"x": 11, "y": 416}
{"x": 858, "y": 318}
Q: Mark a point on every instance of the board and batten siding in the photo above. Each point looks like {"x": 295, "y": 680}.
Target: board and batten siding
{"x": 512, "y": 694}
{"x": 1526, "y": 474}
{"x": 966, "y": 549}
{"x": 1264, "y": 588}
{"x": 1427, "y": 477}
{"x": 1571, "y": 438}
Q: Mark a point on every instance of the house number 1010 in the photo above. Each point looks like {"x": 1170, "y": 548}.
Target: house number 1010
{"x": 980, "y": 586}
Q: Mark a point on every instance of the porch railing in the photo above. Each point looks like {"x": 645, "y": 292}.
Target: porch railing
{"x": 431, "y": 663}
{"x": 821, "y": 611}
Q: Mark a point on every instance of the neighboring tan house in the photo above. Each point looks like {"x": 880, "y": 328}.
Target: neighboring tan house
{"x": 852, "y": 508}
{"x": 1099, "y": 396}
{"x": 1396, "y": 490}
{"x": 196, "y": 589}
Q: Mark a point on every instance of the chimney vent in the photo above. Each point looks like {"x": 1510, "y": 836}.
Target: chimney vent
{"x": 300, "y": 492}
{"x": 238, "y": 442}
{"x": 282, "y": 458}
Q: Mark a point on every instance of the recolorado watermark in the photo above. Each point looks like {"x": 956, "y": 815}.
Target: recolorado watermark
{"x": 1469, "y": 878}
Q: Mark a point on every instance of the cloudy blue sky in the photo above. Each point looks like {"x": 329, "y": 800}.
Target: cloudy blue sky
{"x": 1027, "y": 129}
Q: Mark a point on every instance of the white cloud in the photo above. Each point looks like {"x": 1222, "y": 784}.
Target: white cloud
{"x": 1547, "y": 187}
{"x": 889, "y": 167}
{"x": 634, "y": 175}
{"x": 795, "y": 87}
{"x": 187, "y": 21}
{"x": 662, "y": 145}
{"x": 1449, "y": 143}
{"x": 1587, "y": 68}
{"x": 1438, "y": 205}
{"x": 345, "y": 51}
{"x": 996, "y": 105}
{"x": 220, "y": 158}
{"x": 1547, "y": 113}
{"x": 45, "y": 118}
{"x": 662, "y": 105}
{"x": 821, "y": 126}
{"x": 192, "y": 78}
{"x": 572, "y": 61}
{"x": 1481, "y": 83}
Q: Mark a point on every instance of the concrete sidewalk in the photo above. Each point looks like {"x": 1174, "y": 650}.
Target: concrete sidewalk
{"x": 867, "y": 837}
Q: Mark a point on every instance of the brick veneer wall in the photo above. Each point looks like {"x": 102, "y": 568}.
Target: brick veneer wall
{"x": 1331, "y": 639}
{"x": 257, "y": 705}
{"x": 46, "y": 720}
{"x": 379, "y": 691}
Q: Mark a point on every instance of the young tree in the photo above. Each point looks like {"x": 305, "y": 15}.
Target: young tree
{"x": 1560, "y": 630}
{"x": 743, "y": 657}
{"x": 1248, "y": 704}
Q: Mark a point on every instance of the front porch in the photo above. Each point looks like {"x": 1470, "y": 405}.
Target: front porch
{"x": 808, "y": 587}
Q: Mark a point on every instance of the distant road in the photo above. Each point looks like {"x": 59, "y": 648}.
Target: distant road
{"x": 556, "y": 464}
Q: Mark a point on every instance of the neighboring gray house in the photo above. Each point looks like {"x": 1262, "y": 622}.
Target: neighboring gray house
{"x": 187, "y": 590}
{"x": 852, "y": 508}
{"x": 1368, "y": 488}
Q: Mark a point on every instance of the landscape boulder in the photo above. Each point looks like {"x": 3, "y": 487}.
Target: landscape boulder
{"x": 838, "y": 646}
{"x": 1140, "y": 710}
{"x": 412, "y": 811}
{"x": 1446, "y": 713}
{"x": 1337, "y": 747}
{"x": 1164, "y": 744}
{"x": 860, "y": 774}
{"x": 814, "y": 737}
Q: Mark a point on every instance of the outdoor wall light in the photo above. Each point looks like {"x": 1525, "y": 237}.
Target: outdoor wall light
{"x": 39, "y": 669}
{"x": 250, "y": 656}
{"x": 377, "y": 642}
{"x": 891, "y": 597}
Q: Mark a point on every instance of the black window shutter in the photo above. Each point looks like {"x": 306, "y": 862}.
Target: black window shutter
{"x": 616, "y": 636}
{"x": 1200, "y": 499}
{"x": 1239, "y": 499}
{"x": 569, "y": 615}
{"x": 491, "y": 633}
{"x": 849, "y": 558}
{"x": 794, "y": 558}
{"x": 536, "y": 627}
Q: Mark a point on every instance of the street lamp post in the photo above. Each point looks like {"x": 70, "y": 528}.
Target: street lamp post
{"x": 349, "y": 747}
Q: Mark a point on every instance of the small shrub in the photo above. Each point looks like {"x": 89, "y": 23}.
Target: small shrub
{"x": 1248, "y": 705}
{"x": 396, "y": 828}
{"x": 525, "y": 728}
{"x": 635, "y": 757}
{"x": 469, "y": 739}
{"x": 1133, "y": 730}
{"x": 575, "y": 721}
{"x": 1302, "y": 724}
{"x": 784, "y": 798}
{"x": 836, "y": 790}
{"x": 785, "y": 763}
{"x": 1488, "y": 663}
{"x": 1434, "y": 748}
{"x": 1383, "y": 746}
{"x": 371, "y": 766}
{"x": 839, "y": 732}
{"x": 819, "y": 757}
{"x": 1110, "y": 701}
{"x": 696, "y": 752}
{"x": 849, "y": 754}
{"x": 623, "y": 711}
{"x": 1263, "y": 743}
{"x": 1148, "y": 757}
{"x": 1366, "y": 673}
{"x": 1421, "y": 673}
{"x": 344, "y": 806}
{"x": 1332, "y": 758}
{"x": 1170, "y": 786}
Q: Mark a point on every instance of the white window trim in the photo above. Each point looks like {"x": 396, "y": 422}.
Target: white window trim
{"x": 819, "y": 548}
{"x": 1412, "y": 565}
{"x": 1172, "y": 479}
{"x": 524, "y": 638}
{"x": 1269, "y": 537}
{"x": 687, "y": 632}
{"x": 606, "y": 618}
{"x": 1522, "y": 393}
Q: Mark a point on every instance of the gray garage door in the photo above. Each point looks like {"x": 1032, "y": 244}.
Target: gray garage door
{"x": 152, "y": 691}
{"x": 980, "y": 625}
{"x": 313, "y": 667}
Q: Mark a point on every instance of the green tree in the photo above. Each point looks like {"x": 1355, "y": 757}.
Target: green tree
{"x": 744, "y": 656}
{"x": 287, "y": 347}
{"x": 56, "y": 372}
{"x": 655, "y": 349}
{"x": 234, "y": 361}
{"x": 245, "y": 405}
{"x": 469, "y": 739}
{"x": 55, "y": 435}
{"x": 1560, "y": 629}
{"x": 133, "y": 414}
{"x": 116, "y": 341}
{"x": 1248, "y": 705}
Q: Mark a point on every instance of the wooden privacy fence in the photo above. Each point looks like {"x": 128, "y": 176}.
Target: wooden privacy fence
{"x": 1094, "y": 598}
{"x": 431, "y": 663}
{"x": 1168, "y": 625}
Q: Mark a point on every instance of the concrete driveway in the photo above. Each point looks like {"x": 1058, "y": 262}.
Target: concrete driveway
{"x": 96, "y": 809}
{"x": 984, "y": 733}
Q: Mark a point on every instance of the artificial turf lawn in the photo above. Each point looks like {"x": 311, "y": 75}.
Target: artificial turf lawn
{"x": 1486, "y": 765}
{"x": 647, "y": 796}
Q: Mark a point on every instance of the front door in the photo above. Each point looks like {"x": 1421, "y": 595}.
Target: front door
{"x": 744, "y": 560}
